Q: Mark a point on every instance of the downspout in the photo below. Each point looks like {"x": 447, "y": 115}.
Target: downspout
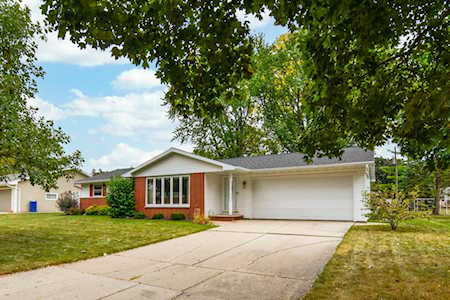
{"x": 230, "y": 194}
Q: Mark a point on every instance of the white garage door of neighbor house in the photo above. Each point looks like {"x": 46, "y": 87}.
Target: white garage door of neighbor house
{"x": 302, "y": 197}
{"x": 5, "y": 200}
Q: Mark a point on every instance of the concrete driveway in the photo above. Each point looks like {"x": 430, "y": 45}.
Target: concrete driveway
{"x": 250, "y": 259}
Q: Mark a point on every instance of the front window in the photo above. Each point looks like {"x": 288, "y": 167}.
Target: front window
{"x": 168, "y": 191}
{"x": 185, "y": 189}
{"x": 158, "y": 189}
{"x": 98, "y": 190}
{"x": 150, "y": 191}
{"x": 176, "y": 190}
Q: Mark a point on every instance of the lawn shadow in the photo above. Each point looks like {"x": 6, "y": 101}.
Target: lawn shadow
{"x": 402, "y": 228}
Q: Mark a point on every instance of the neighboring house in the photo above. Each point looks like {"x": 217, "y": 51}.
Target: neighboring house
{"x": 445, "y": 202}
{"x": 280, "y": 186}
{"x": 16, "y": 193}
{"x": 95, "y": 188}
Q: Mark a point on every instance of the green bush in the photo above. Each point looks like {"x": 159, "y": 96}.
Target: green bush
{"x": 74, "y": 211}
{"x": 91, "y": 210}
{"x": 121, "y": 197}
{"x": 391, "y": 207}
{"x": 158, "y": 216}
{"x": 201, "y": 219}
{"x": 138, "y": 215}
{"x": 98, "y": 210}
{"x": 104, "y": 210}
{"x": 66, "y": 201}
{"x": 178, "y": 216}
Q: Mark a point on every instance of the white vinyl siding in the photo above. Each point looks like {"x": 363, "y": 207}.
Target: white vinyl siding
{"x": 176, "y": 164}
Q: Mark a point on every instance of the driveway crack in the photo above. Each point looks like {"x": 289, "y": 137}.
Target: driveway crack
{"x": 119, "y": 291}
{"x": 281, "y": 233}
{"x": 226, "y": 250}
{"x": 197, "y": 284}
{"x": 285, "y": 249}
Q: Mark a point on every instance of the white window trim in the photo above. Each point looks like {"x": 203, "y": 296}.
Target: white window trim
{"x": 171, "y": 205}
{"x": 46, "y": 196}
{"x": 93, "y": 190}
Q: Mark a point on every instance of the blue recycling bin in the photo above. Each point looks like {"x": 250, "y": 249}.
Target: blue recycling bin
{"x": 33, "y": 206}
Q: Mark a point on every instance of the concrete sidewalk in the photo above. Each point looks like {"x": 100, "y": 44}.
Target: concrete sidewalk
{"x": 239, "y": 260}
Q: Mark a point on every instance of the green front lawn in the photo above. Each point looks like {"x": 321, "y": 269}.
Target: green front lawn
{"x": 29, "y": 241}
{"x": 373, "y": 262}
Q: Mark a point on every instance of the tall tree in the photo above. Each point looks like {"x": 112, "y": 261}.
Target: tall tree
{"x": 418, "y": 175}
{"x": 434, "y": 157}
{"x": 236, "y": 131}
{"x": 30, "y": 146}
{"x": 282, "y": 88}
{"x": 376, "y": 70}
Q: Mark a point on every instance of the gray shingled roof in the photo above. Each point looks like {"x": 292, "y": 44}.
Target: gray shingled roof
{"x": 286, "y": 160}
{"x": 105, "y": 176}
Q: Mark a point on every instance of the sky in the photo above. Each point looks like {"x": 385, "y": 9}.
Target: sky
{"x": 111, "y": 109}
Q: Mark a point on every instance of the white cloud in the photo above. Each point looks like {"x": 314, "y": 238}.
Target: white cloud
{"x": 254, "y": 21}
{"x": 78, "y": 93}
{"x": 35, "y": 11}
{"x": 122, "y": 156}
{"x": 125, "y": 156}
{"x": 64, "y": 51}
{"x": 131, "y": 115}
{"x": 136, "y": 79}
{"x": 387, "y": 150}
{"x": 136, "y": 115}
{"x": 47, "y": 109}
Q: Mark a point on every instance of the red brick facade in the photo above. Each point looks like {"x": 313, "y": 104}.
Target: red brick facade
{"x": 86, "y": 202}
{"x": 90, "y": 201}
{"x": 197, "y": 198}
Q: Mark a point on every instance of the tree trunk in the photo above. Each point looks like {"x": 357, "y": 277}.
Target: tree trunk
{"x": 437, "y": 193}
{"x": 393, "y": 224}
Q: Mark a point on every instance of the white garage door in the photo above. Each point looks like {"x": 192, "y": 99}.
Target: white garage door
{"x": 303, "y": 197}
{"x": 5, "y": 200}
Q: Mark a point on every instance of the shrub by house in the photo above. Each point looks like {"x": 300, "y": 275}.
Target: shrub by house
{"x": 121, "y": 197}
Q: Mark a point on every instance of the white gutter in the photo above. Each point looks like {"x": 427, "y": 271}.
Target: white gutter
{"x": 92, "y": 181}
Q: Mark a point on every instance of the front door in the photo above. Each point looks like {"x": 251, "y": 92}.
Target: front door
{"x": 226, "y": 194}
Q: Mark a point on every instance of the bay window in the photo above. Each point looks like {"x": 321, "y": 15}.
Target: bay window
{"x": 176, "y": 190}
{"x": 168, "y": 191}
{"x": 158, "y": 194}
{"x": 185, "y": 189}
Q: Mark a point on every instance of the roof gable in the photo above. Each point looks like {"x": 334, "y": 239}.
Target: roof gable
{"x": 176, "y": 161}
{"x": 104, "y": 176}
